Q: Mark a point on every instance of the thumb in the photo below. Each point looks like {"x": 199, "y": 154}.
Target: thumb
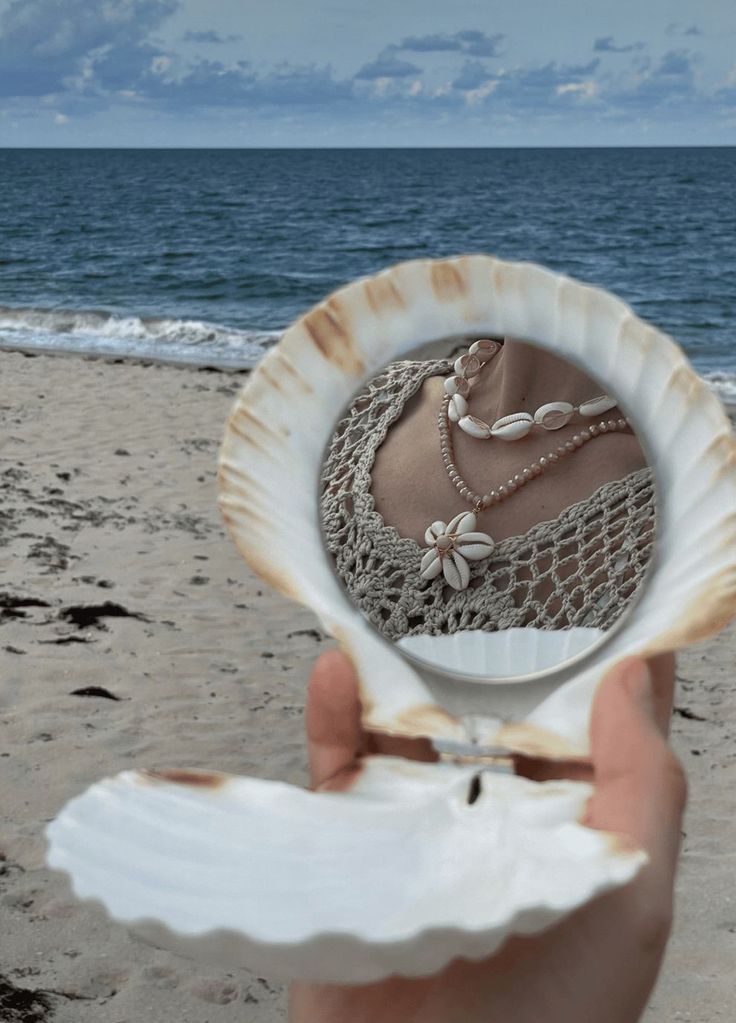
{"x": 639, "y": 784}
{"x": 334, "y": 732}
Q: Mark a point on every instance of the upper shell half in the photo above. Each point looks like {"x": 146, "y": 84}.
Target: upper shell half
{"x": 271, "y": 456}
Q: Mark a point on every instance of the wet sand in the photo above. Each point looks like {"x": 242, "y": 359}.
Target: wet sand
{"x": 132, "y": 634}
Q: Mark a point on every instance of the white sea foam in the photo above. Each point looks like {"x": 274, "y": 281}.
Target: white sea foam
{"x": 197, "y": 342}
{"x": 723, "y": 383}
{"x": 97, "y": 332}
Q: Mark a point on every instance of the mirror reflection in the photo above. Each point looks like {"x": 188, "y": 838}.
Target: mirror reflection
{"x": 488, "y": 507}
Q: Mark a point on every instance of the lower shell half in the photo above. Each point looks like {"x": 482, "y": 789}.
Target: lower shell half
{"x": 411, "y": 866}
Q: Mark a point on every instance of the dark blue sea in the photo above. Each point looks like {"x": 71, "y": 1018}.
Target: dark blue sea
{"x": 204, "y": 256}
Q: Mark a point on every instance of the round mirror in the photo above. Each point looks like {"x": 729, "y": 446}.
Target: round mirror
{"x": 361, "y": 449}
{"x": 487, "y": 507}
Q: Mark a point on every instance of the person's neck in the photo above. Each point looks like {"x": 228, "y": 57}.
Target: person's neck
{"x": 521, "y": 377}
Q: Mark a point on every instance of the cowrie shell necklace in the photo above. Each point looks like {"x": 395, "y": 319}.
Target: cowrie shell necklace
{"x": 551, "y": 416}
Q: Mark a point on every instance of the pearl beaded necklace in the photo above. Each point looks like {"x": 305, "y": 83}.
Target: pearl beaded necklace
{"x": 520, "y": 479}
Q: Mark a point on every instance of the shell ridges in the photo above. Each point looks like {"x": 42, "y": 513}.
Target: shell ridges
{"x": 235, "y": 912}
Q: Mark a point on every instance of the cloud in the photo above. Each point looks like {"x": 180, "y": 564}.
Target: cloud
{"x": 676, "y": 29}
{"x": 300, "y": 86}
{"x": 580, "y": 90}
{"x": 523, "y": 91}
{"x": 387, "y": 65}
{"x": 669, "y": 85}
{"x": 209, "y": 37}
{"x": 46, "y": 44}
{"x": 478, "y": 44}
{"x": 430, "y": 44}
{"x": 473, "y": 75}
{"x": 470, "y": 41}
{"x": 90, "y": 54}
{"x": 209, "y": 83}
{"x": 605, "y": 44}
{"x": 675, "y": 63}
{"x": 76, "y": 57}
{"x": 527, "y": 88}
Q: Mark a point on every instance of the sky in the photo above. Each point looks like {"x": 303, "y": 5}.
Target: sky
{"x": 327, "y": 73}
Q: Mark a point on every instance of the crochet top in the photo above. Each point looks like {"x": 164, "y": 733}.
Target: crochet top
{"x": 580, "y": 569}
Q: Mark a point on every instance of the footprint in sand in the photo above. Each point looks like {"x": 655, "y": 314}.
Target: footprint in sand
{"x": 162, "y": 977}
{"x": 216, "y": 992}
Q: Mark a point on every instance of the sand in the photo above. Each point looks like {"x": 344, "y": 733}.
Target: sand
{"x": 116, "y": 575}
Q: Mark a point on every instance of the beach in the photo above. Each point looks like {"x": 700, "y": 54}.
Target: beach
{"x": 133, "y": 635}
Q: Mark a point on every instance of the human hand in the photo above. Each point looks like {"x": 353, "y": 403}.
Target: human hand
{"x": 598, "y": 965}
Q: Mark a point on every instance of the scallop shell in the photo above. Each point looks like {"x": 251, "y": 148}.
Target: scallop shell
{"x": 321, "y": 361}
{"x": 512, "y": 427}
{"x": 398, "y": 875}
{"x": 402, "y": 871}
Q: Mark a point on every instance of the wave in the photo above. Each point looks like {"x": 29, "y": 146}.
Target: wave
{"x": 168, "y": 339}
{"x": 723, "y": 383}
{"x": 93, "y": 331}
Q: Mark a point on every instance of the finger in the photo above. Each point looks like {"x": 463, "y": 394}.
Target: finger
{"x": 639, "y": 784}
{"x": 662, "y": 670}
{"x": 333, "y": 718}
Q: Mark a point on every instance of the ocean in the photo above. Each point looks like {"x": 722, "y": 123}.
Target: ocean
{"x": 204, "y": 256}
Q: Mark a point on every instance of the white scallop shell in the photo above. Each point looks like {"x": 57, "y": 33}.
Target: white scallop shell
{"x": 218, "y": 867}
{"x": 597, "y": 406}
{"x": 512, "y": 427}
{"x": 457, "y": 408}
{"x": 554, "y": 415}
{"x": 397, "y": 875}
{"x": 322, "y": 360}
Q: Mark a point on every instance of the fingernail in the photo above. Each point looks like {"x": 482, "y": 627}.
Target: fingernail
{"x": 637, "y": 681}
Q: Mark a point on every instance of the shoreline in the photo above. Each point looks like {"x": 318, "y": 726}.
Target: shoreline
{"x": 202, "y": 367}
{"x": 144, "y": 360}
{"x": 120, "y": 578}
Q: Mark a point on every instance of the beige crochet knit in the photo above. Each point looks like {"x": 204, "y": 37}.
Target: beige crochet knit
{"x": 582, "y": 568}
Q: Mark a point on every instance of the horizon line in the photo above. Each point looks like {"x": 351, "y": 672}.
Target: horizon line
{"x": 316, "y": 149}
